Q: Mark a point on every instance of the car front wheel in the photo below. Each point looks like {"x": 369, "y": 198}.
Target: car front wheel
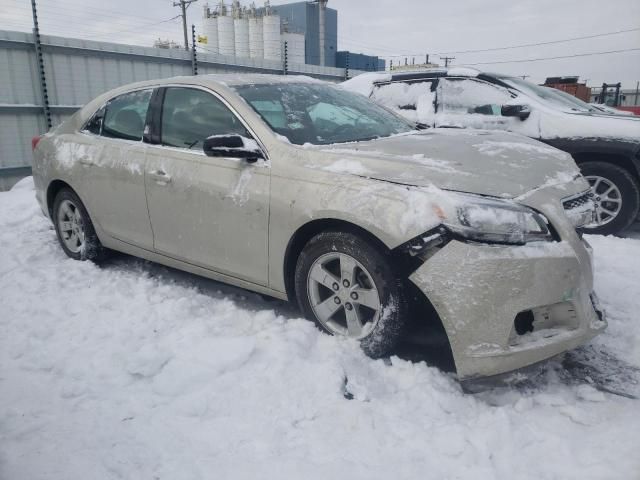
{"x": 347, "y": 285}
{"x": 616, "y": 195}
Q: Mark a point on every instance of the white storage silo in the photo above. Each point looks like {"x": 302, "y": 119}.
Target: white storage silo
{"x": 226, "y": 34}
{"x": 271, "y": 34}
{"x": 241, "y": 29}
{"x": 295, "y": 47}
{"x": 210, "y": 30}
{"x": 256, "y": 37}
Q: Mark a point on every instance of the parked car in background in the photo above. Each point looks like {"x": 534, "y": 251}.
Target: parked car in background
{"x": 300, "y": 190}
{"x": 606, "y": 147}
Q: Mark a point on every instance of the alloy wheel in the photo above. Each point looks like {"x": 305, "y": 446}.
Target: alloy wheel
{"x": 343, "y": 296}
{"x": 607, "y": 199}
{"x": 71, "y": 226}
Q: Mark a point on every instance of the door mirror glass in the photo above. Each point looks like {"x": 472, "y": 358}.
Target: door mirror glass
{"x": 235, "y": 146}
{"x": 520, "y": 111}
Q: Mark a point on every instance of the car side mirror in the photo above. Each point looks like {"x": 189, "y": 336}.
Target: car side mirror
{"x": 520, "y": 111}
{"x": 234, "y": 146}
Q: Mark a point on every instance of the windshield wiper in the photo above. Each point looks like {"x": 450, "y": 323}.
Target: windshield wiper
{"x": 422, "y": 126}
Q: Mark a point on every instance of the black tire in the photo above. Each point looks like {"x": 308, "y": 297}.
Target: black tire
{"x": 390, "y": 327}
{"x": 92, "y": 249}
{"x": 629, "y": 191}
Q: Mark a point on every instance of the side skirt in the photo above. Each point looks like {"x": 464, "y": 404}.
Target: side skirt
{"x": 129, "y": 249}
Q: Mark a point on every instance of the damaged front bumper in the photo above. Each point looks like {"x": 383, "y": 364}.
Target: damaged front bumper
{"x": 508, "y": 307}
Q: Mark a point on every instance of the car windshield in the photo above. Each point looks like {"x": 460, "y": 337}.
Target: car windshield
{"x": 548, "y": 95}
{"x": 320, "y": 114}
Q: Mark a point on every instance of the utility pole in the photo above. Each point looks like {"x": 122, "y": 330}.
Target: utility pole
{"x": 524, "y": 77}
{"x": 447, "y": 60}
{"x": 183, "y": 4}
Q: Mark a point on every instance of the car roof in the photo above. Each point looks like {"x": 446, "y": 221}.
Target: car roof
{"x": 234, "y": 79}
{"x": 429, "y": 73}
{"x": 215, "y": 81}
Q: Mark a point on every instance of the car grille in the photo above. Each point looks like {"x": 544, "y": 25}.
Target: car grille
{"x": 578, "y": 201}
{"x": 580, "y": 208}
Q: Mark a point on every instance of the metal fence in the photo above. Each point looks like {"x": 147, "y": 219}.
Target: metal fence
{"x": 78, "y": 70}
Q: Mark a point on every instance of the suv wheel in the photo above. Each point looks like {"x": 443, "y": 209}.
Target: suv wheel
{"x": 616, "y": 195}
{"x": 347, "y": 285}
{"x": 74, "y": 229}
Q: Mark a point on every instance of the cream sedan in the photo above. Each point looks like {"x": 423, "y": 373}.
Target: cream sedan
{"x": 297, "y": 189}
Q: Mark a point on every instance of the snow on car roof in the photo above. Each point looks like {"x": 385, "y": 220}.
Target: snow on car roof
{"x": 231, "y": 79}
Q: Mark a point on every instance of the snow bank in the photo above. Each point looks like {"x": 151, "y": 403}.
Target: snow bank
{"x": 131, "y": 370}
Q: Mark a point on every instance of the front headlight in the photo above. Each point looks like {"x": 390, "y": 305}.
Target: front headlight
{"x": 492, "y": 220}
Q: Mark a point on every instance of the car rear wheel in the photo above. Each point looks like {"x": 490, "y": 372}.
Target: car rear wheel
{"x": 347, "y": 285}
{"x": 616, "y": 195}
{"x": 74, "y": 229}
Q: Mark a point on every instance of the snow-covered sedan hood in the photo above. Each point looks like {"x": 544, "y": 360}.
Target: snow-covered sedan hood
{"x": 476, "y": 161}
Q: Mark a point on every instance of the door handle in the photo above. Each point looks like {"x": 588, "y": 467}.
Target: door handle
{"x": 160, "y": 177}
{"x": 86, "y": 161}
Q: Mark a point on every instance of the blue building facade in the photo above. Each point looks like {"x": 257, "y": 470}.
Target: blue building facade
{"x": 303, "y": 17}
{"x": 360, "y": 61}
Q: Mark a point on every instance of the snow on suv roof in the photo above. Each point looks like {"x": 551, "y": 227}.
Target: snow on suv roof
{"x": 434, "y": 73}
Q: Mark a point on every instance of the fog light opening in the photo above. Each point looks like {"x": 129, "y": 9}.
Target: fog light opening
{"x": 523, "y": 322}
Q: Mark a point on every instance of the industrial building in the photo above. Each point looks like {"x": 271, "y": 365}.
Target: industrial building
{"x": 359, "y": 61}
{"x": 309, "y": 28}
{"x": 571, "y": 85}
{"x": 318, "y": 24}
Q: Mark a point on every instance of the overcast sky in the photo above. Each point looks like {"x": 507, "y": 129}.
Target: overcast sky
{"x": 401, "y": 27}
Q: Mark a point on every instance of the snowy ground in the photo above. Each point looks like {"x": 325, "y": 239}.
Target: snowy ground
{"x": 135, "y": 371}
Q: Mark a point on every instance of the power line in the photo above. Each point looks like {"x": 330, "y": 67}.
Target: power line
{"x": 556, "y": 58}
{"x": 95, "y": 32}
{"x": 551, "y": 42}
{"x": 545, "y": 43}
{"x": 70, "y": 8}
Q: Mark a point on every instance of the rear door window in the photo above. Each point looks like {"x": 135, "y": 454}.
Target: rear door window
{"x": 471, "y": 96}
{"x": 126, "y": 115}
{"x": 94, "y": 125}
{"x": 413, "y": 100}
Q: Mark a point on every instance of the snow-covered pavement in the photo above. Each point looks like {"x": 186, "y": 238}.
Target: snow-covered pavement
{"x": 135, "y": 371}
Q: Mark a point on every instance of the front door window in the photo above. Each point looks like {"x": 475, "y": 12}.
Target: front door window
{"x": 190, "y": 116}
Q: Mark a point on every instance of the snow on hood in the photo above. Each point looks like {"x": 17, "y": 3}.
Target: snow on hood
{"x": 475, "y": 161}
